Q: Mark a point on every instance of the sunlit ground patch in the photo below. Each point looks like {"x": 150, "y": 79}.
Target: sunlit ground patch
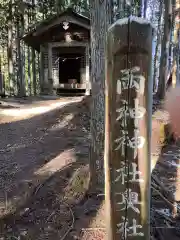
{"x": 57, "y": 163}
{"x": 62, "y": 122}
{"x": 31, "y": 111}
{"x": 14, "y": 114}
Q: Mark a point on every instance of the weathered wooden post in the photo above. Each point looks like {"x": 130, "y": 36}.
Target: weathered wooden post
{"x": 128, "y": 129}
{"x": 50, "y": 77}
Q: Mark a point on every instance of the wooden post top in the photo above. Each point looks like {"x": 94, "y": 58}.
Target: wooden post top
{"x": 134, "y": 32}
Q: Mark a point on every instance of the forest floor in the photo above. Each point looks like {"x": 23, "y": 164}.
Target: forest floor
{"x": 44, "y": 174}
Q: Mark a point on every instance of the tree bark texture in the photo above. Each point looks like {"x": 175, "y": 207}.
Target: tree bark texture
{"x": 159, "y": 36}
{"x": 163, "y": 72}
{"x": 10, "y": 49}
{"x": 101, "y": 17}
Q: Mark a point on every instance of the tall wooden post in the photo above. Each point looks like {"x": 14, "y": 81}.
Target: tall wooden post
{"x": 128, "y": 108}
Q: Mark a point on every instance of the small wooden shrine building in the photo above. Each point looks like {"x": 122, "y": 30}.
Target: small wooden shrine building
{"x": 64, "y": 45}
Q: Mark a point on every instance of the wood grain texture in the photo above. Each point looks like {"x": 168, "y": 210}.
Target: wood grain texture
{"x": 128, "y": 129}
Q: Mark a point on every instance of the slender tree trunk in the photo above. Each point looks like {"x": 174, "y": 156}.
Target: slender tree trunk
{"x": 176, "y": 24}
{"x": 21, "y": 50}
{"x": 144, "y": 7}
{"x": 165, "y": 49}
{"x": 29, "y": 57}
{"x": 3, "y": 69}
{"x": 1, "y": 78}
{"x": 34, "y": 53}
{"x": 10, "y": 50}
{"x": 23, "y": 56}
{"x": 159, "y": 35}
{"x": 19, "y": 72}
{"x": 178, "y": 58}
{"x": 39, "y": 72}
{"x": 101, "y": 17}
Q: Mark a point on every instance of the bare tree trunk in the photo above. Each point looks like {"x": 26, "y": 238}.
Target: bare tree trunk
{"x": 10, "y": 50}
{"x": 33, "y": 52}
{"x": 4, "y": 55}
{"x": 23, "y": 57}
{"x": 159, "y": 35}
{"x": 39, "y": 72}
{"x": 101, "y": 17}
{"x": 144, "y": 7}
{"x": 176, "y": 24}
{"x": 1, "y": 78}
{"x": 19, "y": 72}
{"x": 165, "y": 49}
{"x": 178, "y": 58}
{"x": 21, "y": 51}
{"x": 29, "y": 56}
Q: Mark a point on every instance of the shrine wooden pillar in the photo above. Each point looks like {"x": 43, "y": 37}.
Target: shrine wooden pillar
{"x": 50, "y": 75}
{"x": 41, "y": 75}
{"x": 128, "y": 108}
{"x": 87, "y": 71}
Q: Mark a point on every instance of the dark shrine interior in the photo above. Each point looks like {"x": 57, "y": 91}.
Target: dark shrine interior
{"x": 69, "y": 67}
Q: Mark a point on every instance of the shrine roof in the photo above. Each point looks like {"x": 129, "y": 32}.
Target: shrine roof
{"x": 35, "y": 36}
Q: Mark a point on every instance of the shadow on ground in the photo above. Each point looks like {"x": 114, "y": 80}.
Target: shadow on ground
{"x": 165, "y": 191}
{"x": 44, "y": 175}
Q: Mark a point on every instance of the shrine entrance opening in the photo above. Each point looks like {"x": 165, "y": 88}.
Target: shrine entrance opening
{"x": 70, "y": 68}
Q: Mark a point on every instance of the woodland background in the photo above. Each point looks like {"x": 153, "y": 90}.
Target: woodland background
{"x": 30, "y": 142}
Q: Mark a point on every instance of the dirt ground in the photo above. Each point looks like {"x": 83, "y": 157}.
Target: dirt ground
{"x": 44, "y": 173}
{"x": 44, "y": 147}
